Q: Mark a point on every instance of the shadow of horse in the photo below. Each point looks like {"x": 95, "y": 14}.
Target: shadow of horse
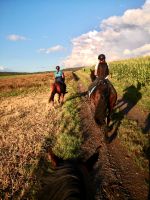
{"x": 57, "y": 88}
{"x": 129, "y": 99}
{"x": 75, "y": 77}
{"x": 79, "y": 94}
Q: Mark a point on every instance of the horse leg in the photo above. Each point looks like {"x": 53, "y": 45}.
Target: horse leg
{"x": 112, "y": 102}
{"x": 58, "y": 98}
{"x": 51, "y": 98}
{"x": 62, "y": 98}
{"x": 108, "y": 117}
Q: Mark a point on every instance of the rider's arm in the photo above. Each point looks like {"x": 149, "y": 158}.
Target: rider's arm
{"x": 96, "y": 68}
{"x": 106, "y": 72}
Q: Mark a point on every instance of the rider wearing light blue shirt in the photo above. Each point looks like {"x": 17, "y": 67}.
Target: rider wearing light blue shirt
{"x": 59, "y": 76}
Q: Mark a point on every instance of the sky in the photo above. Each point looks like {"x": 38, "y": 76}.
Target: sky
{"x": 38, "y": 35}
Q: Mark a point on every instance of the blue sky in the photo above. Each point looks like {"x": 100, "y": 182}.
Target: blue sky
{"x": 37, "y": 35}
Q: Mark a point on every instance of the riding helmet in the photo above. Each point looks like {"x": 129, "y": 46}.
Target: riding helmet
{"x": 57, "y": 67}
{"x": 101, "y": 57}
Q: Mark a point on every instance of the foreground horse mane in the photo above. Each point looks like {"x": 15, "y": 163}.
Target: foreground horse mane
{"x": 70, "y": 179}
{"x": 67, "y": 182}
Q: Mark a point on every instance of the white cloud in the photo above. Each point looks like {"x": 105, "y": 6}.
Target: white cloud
{"x": 51, "y": 49}
{"x": 14, "y": 37}
{"x": 4, "y": 69}
{"x": 119, "y": 37}
{"x": 147, "y": 2}
{"x": 143, "y": 50}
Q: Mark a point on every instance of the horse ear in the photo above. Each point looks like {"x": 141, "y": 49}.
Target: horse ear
{"x": 55, "y": 160}
{"x": 92, "y": 160}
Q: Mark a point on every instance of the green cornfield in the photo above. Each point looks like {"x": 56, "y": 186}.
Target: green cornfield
{"x": 132, "y": 70}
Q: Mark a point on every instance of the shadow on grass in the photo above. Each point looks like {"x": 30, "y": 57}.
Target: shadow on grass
{"x": 129, "y": 99}
{"x": 75, "y": 77}
{"x": 79, "y": 94}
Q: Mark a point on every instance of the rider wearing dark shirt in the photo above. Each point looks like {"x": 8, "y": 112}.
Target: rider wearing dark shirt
{"x": 101, "y": 73}
{"x": 101, "y": 69}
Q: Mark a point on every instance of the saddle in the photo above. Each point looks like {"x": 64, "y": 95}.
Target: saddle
{"x": 96, "y": 84}
{"x": 59, "y": 80}
{"x": 61, "y": 83}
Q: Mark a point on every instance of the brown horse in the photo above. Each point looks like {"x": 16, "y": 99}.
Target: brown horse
{"x": 57, "y": 88}
{"x": 103, "y": 96}
{"x": 70, "y": 179}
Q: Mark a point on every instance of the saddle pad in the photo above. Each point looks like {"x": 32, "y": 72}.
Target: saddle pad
{"x": 92, "y": 90}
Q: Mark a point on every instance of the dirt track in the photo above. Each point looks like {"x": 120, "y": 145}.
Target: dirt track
{"x": 116, "y": 176}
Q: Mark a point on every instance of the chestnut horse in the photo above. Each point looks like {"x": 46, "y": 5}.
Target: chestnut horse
{"x": 104, "y": 97}
{"x": 70, "y": 179}
{"x": 57, "y": 88}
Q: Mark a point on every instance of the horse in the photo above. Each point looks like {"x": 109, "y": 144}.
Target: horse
{"x": 104, "y": 97}
{"x": 57, "y": 88}
{"x": 69, "y": 180}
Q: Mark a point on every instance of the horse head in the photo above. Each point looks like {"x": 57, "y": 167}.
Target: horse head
{"x": 70, "y": 179}
{"x": 92, "y": 75}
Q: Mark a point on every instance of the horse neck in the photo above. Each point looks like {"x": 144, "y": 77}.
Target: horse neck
{"x": 93, "y": 77}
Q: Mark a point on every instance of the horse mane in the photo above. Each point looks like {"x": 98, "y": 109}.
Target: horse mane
{"x": 69, "y": 181}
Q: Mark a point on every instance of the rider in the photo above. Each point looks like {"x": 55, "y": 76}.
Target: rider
{"x": 60, "y": 77}
{"x": 101, "y": 68}
{"x": 101, "y": 73}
